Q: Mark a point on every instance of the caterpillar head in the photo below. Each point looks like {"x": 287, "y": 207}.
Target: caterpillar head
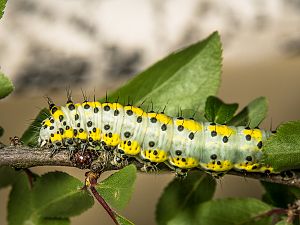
{"x": 44, "y": 135}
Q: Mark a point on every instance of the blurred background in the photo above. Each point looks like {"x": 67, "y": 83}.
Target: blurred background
{"x": 97, "y": 45}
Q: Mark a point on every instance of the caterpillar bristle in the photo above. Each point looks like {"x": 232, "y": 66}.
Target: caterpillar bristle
{"x": 117, "y": 100}
{"x": 106, "y": 98}
{"x": 69, "y": 95}
{"x": 140, "y": 105}
{"x": 49, "y": 101}
{"x": 84, "y": 96}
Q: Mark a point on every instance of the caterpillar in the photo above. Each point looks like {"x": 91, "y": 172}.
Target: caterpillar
{"x": 153, "y": 138}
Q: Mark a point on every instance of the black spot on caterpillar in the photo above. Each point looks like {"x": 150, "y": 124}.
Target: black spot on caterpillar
{"x": 152, "y": 137}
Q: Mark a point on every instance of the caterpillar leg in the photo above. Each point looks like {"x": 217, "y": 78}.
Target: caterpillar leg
{"x": 181, "y": 165}
{"x": 181, "y": 173}
{"x": 126, "y": 149}
{"x": 119, "y": 159}
{"x": 55, "y": 150}
{"x": 71, "y": 153}
{"x": 151, "y": 158}
{"x": 215, "y": 174}
{"x": 150, "y": 167}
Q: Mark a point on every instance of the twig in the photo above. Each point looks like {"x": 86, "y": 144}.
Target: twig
{"x": 90, "y": 183}
{"x": 101, "y": 200}
{"x": 26, "y": 157}
{"x": 30, "y": 177}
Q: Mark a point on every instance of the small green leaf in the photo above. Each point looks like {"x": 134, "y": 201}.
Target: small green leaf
{"x": 219, "y": 112}
{"x": 64, "y": 196}
{"x": 20, "y": 205}
{"x": 182, "y": 80}
{"x": 1, "y": 131}
{"x": 282, "y": 150}
{"x": 30, "y": 136}
{"x": 279, "y": 195}
{"x": 185, "y": 194}
{"x": 6, "y": 86}
{"x": 8, "y": 176}
{"x": 252, "y": 115}
{"x": 226, "y": 212}
{"x": 123, "y": 221}
{"x": 117, "y": 188}
{"x": 2, "y": 7}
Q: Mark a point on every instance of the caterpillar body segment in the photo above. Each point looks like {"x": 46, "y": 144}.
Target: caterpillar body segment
{"x": 154, "y": 138}
{"x": 132, "y": 131}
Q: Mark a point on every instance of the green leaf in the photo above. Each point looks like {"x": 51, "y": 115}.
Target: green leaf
{"x": 1, "y": 131}
{"x": 185, "y": 194}
{"x": 8, "y": 176}
{"x": 2, "y": 7}
{"x": 30, "y": 136}
{"x": 117, "y": 188}
{"x": 282, "y": 150}
{"x": 53, "y": 222}
{"x": 226, "y": 212}
{"x": 64, "y": 196}
{"x": 279, "y": 195}
{"x": 195, "y": 114}
{"x": 20, "y": 205}
{"x": 6, "y": 86}
{"x": 283, "y": 222}
{"x": 123, "y": 221}
{"x": 182, "y": 80}
{"x": 296, "y": 192}
{"x": 252, "y": 115}
{"x": 219, "y": 112}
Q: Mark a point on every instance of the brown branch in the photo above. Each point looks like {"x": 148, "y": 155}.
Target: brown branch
{"x": 26, "y": 157}
{"x": 104, "y": 204}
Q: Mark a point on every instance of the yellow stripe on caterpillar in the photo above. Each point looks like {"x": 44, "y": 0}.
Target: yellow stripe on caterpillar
{"x": 154, "y": 155}
{"x": 95, "y": 134}
{"x": 160, "y": 117}
{"x": 136, "y": 110}
{"x": 254, "y": 133}
{"x": 217, "y": 166}
{"x": 184, "y": 162}
{"x": 130, "y": 147}
{"x": 222, "y": 130}
{"x": 111, "y": 139}
{"x": 68, "y": 133}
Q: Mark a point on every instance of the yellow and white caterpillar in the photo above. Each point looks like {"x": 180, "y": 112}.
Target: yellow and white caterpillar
{"x": 154, "y": 138}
